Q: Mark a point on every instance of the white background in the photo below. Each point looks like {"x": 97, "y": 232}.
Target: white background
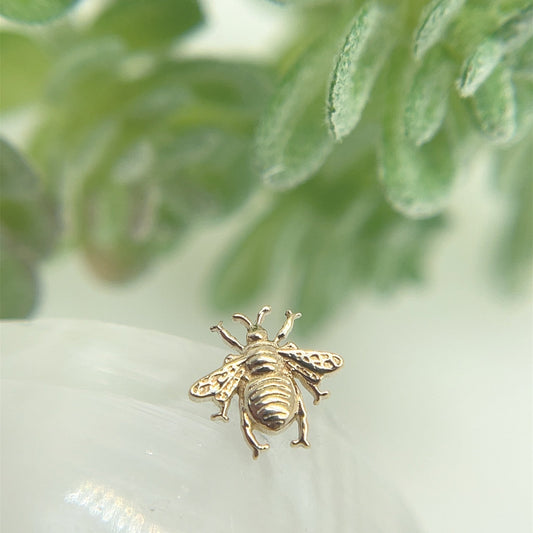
{"x": 440, "y": 375}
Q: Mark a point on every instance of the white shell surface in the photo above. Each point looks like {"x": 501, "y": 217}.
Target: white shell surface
{"x": 99, "y": 435}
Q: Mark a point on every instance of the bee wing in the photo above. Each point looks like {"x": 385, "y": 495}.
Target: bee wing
{"x": 221, "y": 383}
{"x": 318, "y": 363}
{"x": 309, "y": 375}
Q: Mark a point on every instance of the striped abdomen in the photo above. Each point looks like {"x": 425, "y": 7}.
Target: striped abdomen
{"x": 271, "y": 400}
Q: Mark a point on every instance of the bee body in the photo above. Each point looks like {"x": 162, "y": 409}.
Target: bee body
{"x": 269, "y": 395}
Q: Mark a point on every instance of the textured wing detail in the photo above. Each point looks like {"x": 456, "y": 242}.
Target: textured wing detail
{"x": 221, "y": 383}
{"x": 231, "y": 384}
{"x": 318, "y": 362}
{"x": 309, "y": 375}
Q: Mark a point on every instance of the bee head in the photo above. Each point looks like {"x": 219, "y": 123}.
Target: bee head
{"x": 255, "y": 331}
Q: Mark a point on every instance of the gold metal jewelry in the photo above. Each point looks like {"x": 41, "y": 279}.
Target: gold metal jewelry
{"x": 263, "y": 375}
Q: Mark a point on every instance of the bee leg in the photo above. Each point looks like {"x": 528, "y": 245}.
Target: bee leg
{"x": 302, "y": 426}
{"x": 250, "y": 437}
{"x": 227, "y": 336}
{"x": 312, "y": 387}
{"x": 317, "y": 393}
{"x": 223, "y": 412}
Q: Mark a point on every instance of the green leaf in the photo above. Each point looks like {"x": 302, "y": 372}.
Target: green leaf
{"x": 236, "y": 89}
{"x": 478, "y": 67}
{"x": 524, "y": 107}
{"x": 320, "y": 286}
{"x": 388, "y": 248}
{"x": 81, "y": 68}
{"x": 248, "y": 267}
{"x": 118, "y": 221}
{"x": 323, "y": 280}
{"x": 18, "y": 284}
{"x": 184, "y": 128}
{"x": 28, "y": 231}
{"x": 178, "y": 136}
{"x": 518, "y": 250}
{"x": 523, "y": 66}
{"x": 32, "y": 11}
{"x": 303, "y": 3}
{"x": 148, "y": 23}
{"x": 400, "y": 250}
{"x": 359, "y": 61}
{"x": 417, "y": 180}
{"x": 512, "y": 35}
{"x": 517, "y": 30}
{"x": 292, "y": 139}
{"x": 203, "y": 171}
{"x": 427, "y": 100}
{"x": 433, "y": 23}
{"x": 495, "y": 107}
{"x": 27, "y": 216}
{"x": 24, "y": 67}
{"x": 319, "y": 240}
{"x": 515, "y": 251}
{"x": 17, "y": 180}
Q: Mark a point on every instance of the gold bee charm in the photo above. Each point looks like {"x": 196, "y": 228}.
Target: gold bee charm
{"x": 263, "y": 375}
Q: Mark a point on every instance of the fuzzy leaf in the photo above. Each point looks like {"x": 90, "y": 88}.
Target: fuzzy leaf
{"x": 524, "y": 107}
{"x": 417, "y": 180}
{"x": 330, "y": 244}
{"x": 24, "y": 67}
{"x": 324, "y": 276}
{"x": 31, "y": 11}
{"x": 433, "y": 23}
{"x": 389, "y": 248}
{"x": 516, "y": 31}
{"x": 478, "y": 67}
{"x": 136, "y": 160}
{"x": 28, "y": 231}
{"x": 495, "y": 107}
{"x": 18, "y": 284}
{"x": 515, "y": 255}
{"x": 117, "y": 223}
{"x": 292, "y": 139}
{"x": 509, "y": 37}
{"x": 26, "y": 214}
{"x": 524, "y": 61}
{"x": 17, "y": 180}
{"x": 330, "y": 234}
{"x": 427, "y": 100}
{"x": 247, "y": 269}
{"x": 302, "y": 3}
{"x": 517, "y": 250}
{"x": 366, "y": 45}
{"x": 78, "y": 71}
{"x": 147, "y": 23}
{"x": 203, "y": 171}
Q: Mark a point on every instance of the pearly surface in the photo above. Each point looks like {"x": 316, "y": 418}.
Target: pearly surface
{"x": 98, "y": 435}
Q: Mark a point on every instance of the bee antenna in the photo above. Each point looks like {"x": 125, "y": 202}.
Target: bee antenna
{"x": 262, "y": 314}
{"x": 242, "y": 318}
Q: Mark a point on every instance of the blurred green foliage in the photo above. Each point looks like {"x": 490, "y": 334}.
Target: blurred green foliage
{"x": 28, "y": 232}
{"x": 358, "y": 132}
{"x": 34, "y": 11}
